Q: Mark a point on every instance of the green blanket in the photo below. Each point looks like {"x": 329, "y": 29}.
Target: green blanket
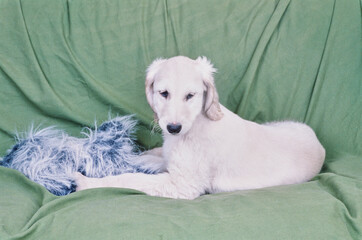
{"x": 71, "y": 62}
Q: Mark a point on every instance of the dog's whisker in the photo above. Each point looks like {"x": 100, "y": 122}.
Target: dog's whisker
{"x": 155, "y": 127}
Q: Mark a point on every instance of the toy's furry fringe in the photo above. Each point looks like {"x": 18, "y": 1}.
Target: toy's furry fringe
{"x": 50, "y": 156}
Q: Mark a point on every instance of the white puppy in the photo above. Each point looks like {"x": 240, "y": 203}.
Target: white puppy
{"x": 209, "y": 149}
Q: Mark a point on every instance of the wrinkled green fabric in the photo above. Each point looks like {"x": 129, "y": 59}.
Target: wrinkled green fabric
{"x": 71, "y": 63}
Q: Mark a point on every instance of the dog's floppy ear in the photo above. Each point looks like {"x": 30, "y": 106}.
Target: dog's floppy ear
{"x": 150, "y": 78}
{"x": 211, "y": 106}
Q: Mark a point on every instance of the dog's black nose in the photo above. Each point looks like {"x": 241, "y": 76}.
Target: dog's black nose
{"x": 174, "y": 128}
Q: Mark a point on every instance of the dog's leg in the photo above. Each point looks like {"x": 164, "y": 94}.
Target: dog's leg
{"x": 151, "y": 161}
{"x": 155, "y": 152}
{"x": 161, "y": 185}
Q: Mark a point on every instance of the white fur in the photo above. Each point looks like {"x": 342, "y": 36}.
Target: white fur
{"x": 216, "y": 150}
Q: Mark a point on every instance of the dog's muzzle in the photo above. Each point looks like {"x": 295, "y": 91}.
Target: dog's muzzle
{"x": 174, "y": 128}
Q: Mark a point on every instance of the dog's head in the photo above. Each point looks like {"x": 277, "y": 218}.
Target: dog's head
{"x": 179, "y": 89}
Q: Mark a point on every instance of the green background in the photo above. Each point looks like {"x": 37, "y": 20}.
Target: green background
{"x": 71, "y": 63}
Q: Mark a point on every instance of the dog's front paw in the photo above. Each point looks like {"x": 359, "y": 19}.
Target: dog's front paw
{"x": 81, "y": 181}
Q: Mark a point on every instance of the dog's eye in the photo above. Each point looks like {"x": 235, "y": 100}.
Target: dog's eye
{"x": 164, "y": 94}
{"x": 189, "y": 96}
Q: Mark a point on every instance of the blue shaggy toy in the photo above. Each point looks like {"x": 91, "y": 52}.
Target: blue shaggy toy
{"x": 50, "y": 156}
